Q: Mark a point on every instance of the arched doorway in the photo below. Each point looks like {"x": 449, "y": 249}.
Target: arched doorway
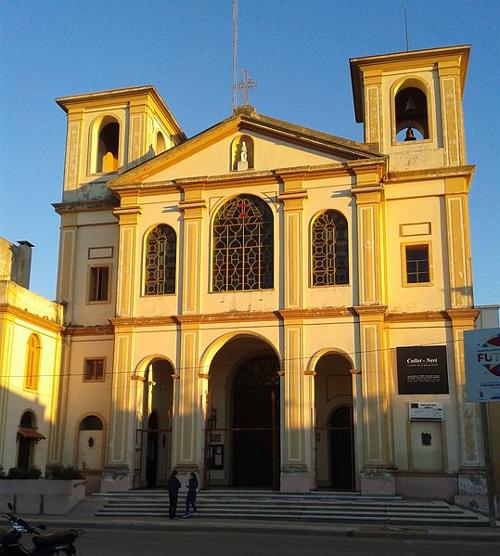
{"x": 27, "y": 436}
{"x": 155, "y": 429}
{"x": 243, "y": 415}
{"x": 335, "y": 464}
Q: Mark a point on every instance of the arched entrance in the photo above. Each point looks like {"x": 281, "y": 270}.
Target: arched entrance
{"x": 27, "y": 436}
{"x": 155, "y": 427}
{"x": 243, "y": 440}
{"x": 335, "y": 466}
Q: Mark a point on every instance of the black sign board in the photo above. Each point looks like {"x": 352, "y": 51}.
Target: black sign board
{"x": 422, "y": 370}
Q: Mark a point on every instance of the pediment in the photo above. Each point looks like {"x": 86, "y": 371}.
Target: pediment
{"x": 245, "y": 142}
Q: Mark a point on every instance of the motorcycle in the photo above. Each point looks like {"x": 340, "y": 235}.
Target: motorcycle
{"x": 45, "y": 544}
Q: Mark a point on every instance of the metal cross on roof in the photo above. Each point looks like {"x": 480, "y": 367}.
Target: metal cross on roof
{"x": 245, "y": 85}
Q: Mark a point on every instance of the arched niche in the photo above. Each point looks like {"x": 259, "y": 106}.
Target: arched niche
{"x": 242, "y": 153}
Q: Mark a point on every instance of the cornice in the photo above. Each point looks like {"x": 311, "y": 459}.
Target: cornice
{"x": 8, "y": 309}
{"x": 465, "y": 314}
{"x": 97, "y": 330}
{"x": 85, "y": 206}
{"x": 466, "y": 171}
{"x": 423, "y": 316}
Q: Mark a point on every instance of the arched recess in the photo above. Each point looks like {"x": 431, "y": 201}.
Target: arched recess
{"x": 242, "y": 245}
{"x": 242, "y": 409}
{"x": 160, "y": 143}
{"x": 27, "y": 437}
{"x": 242, "y": 154}
{"x": 91, "y": 442}
{"x": 334, "y": 426}
{"x": 105, "y": 144}
{"x": 154, "y": 404}
{"x": 411, "y": 110}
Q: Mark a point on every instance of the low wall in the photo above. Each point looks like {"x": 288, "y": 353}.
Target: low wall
{"x": 41, "y": 496}
{"x": 426, "y": 485}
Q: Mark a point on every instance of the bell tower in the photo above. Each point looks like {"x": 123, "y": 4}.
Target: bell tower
{"x": 411, "y": 105}
{"x": 111, "y": 131}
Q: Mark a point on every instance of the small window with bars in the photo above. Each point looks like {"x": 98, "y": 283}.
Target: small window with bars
{"x": 417, "y": 264}
{"x": 99, "y": 283}
{"x": 93, "y": 369}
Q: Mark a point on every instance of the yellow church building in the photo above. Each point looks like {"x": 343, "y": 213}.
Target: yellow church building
{"x": 266, "y": 304}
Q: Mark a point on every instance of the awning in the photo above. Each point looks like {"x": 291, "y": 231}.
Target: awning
{"x": 28, "y": 432}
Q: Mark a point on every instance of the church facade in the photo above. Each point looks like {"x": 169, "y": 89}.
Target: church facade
{"x": 269, "y": 305}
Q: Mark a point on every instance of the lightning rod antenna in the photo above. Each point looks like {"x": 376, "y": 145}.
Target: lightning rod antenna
{"x": 235, "y": 48}
{"x": 405, "y": 9}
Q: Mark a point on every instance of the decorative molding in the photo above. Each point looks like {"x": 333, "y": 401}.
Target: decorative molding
{"x": 424, "y": 316}
{"x": 29, "y": 317}
{"x": 467, "y": 314}
{"x": 97, "y": 330}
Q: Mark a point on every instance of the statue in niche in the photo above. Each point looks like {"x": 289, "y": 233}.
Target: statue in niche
{"x": 243, "y": 161}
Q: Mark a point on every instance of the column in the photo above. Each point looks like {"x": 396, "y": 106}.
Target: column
{"x": 296, "y": 423}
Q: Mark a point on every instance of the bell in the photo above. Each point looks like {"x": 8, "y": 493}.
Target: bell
{"x": 410, "y": 136}
{"x": 410, "y": 106}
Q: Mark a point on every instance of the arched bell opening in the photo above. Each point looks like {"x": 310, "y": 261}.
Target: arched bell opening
{"x": 108, "y": 145}
{"x": 242, "y": 445}
{"x": 412, "y": 118}
{"x": 154, "y": 431}
{"x": 334, "y": 439}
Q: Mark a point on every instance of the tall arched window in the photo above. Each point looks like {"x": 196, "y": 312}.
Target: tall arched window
{"x": 243, "y": 245}
{"x": 32, "y": 370}
{"x": 160, "y": 261}
{"x": 107, "y": 145}
{"x": 330, "y": 249}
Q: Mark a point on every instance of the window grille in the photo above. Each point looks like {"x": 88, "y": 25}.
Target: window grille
{"x": 243, "y": 245}
{"x": 160, "y": 261}
{"x": 330, "y": 249}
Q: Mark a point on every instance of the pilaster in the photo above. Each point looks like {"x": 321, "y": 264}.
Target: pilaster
{"x": 128, "y": 214}
{"x": 119, "y": 467}
{"x": 372, "y": 80}
{"x": 67, "y": 262}
{"x": 72, "y": 163}
{"x": 472, "y": 473}
{"x": 6, "y": 345}
{"x": 377, "y": 474}
{"x": 458, "y": 242}
{"x": 57, "y": 405}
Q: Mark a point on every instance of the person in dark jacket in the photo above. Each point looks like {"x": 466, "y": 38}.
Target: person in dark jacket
{"x": 173, "y": 486}
{"x": 191, "y": 493}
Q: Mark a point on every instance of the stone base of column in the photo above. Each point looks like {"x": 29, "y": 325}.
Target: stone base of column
{"x": 117, "y": 478}
{"x": 472, "y": 489}
{"x": 378, "y": 480}
{"x": 295, "y": 478}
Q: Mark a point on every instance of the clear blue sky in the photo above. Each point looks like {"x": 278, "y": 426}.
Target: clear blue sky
{"x": 297, "y": 51}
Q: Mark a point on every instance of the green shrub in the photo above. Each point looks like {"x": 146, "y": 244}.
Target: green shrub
{"x": 61, "y": 473}
{"x": 32, "y": 472}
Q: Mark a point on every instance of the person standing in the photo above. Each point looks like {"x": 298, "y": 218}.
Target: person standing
{"x": 173, "y": 486}
{"x": 192, "y": 486}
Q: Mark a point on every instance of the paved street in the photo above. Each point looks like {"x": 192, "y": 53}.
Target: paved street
{"x": 176, "y": 543}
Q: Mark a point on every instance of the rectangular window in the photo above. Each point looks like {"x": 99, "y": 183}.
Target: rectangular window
{"x": 93, "y": 369}
{"x": 417, "y": 264}
{"x": 99, "y": 283}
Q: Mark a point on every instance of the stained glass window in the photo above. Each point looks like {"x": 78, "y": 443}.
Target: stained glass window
{"x": 330, "y": 249}
{"x": 160, "y": 261}
{"x": 243, "y": 245}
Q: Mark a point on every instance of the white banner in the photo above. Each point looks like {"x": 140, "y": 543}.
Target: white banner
{"x": 482, "y": 364}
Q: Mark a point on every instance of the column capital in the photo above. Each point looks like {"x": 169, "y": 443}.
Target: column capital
{"x": 371, "y": 313}
{"x": 463, "y": 317}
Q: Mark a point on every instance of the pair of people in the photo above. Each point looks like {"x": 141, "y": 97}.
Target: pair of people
{"x": 173, "y": 486}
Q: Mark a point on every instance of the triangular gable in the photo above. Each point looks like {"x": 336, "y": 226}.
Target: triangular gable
{"x": 277, "y": 144}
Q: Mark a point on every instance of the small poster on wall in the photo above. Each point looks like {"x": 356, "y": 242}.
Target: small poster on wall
{"x": 422, "y": 370}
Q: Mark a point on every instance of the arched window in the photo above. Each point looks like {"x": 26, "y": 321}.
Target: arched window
{"x": 160, "y": 143}
{"x": 91, "y": 423}
{"x": 330, "y": 249}
{"x": 107, "y": 146}
{"x": 160, "y": 261}
{"x": 32, "y": 370}
{"x": 243, "y": 245}
{"x": 412, "y": 121}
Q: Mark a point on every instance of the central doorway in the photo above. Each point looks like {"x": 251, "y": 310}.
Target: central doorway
{"x": 256, "y": 412}
{"x": 242, "y": 431}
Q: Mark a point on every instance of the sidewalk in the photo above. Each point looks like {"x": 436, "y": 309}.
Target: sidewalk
{"x": 82, "y": 516}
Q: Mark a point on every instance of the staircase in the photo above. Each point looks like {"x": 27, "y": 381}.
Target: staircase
{"x": 331, "y": 507}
